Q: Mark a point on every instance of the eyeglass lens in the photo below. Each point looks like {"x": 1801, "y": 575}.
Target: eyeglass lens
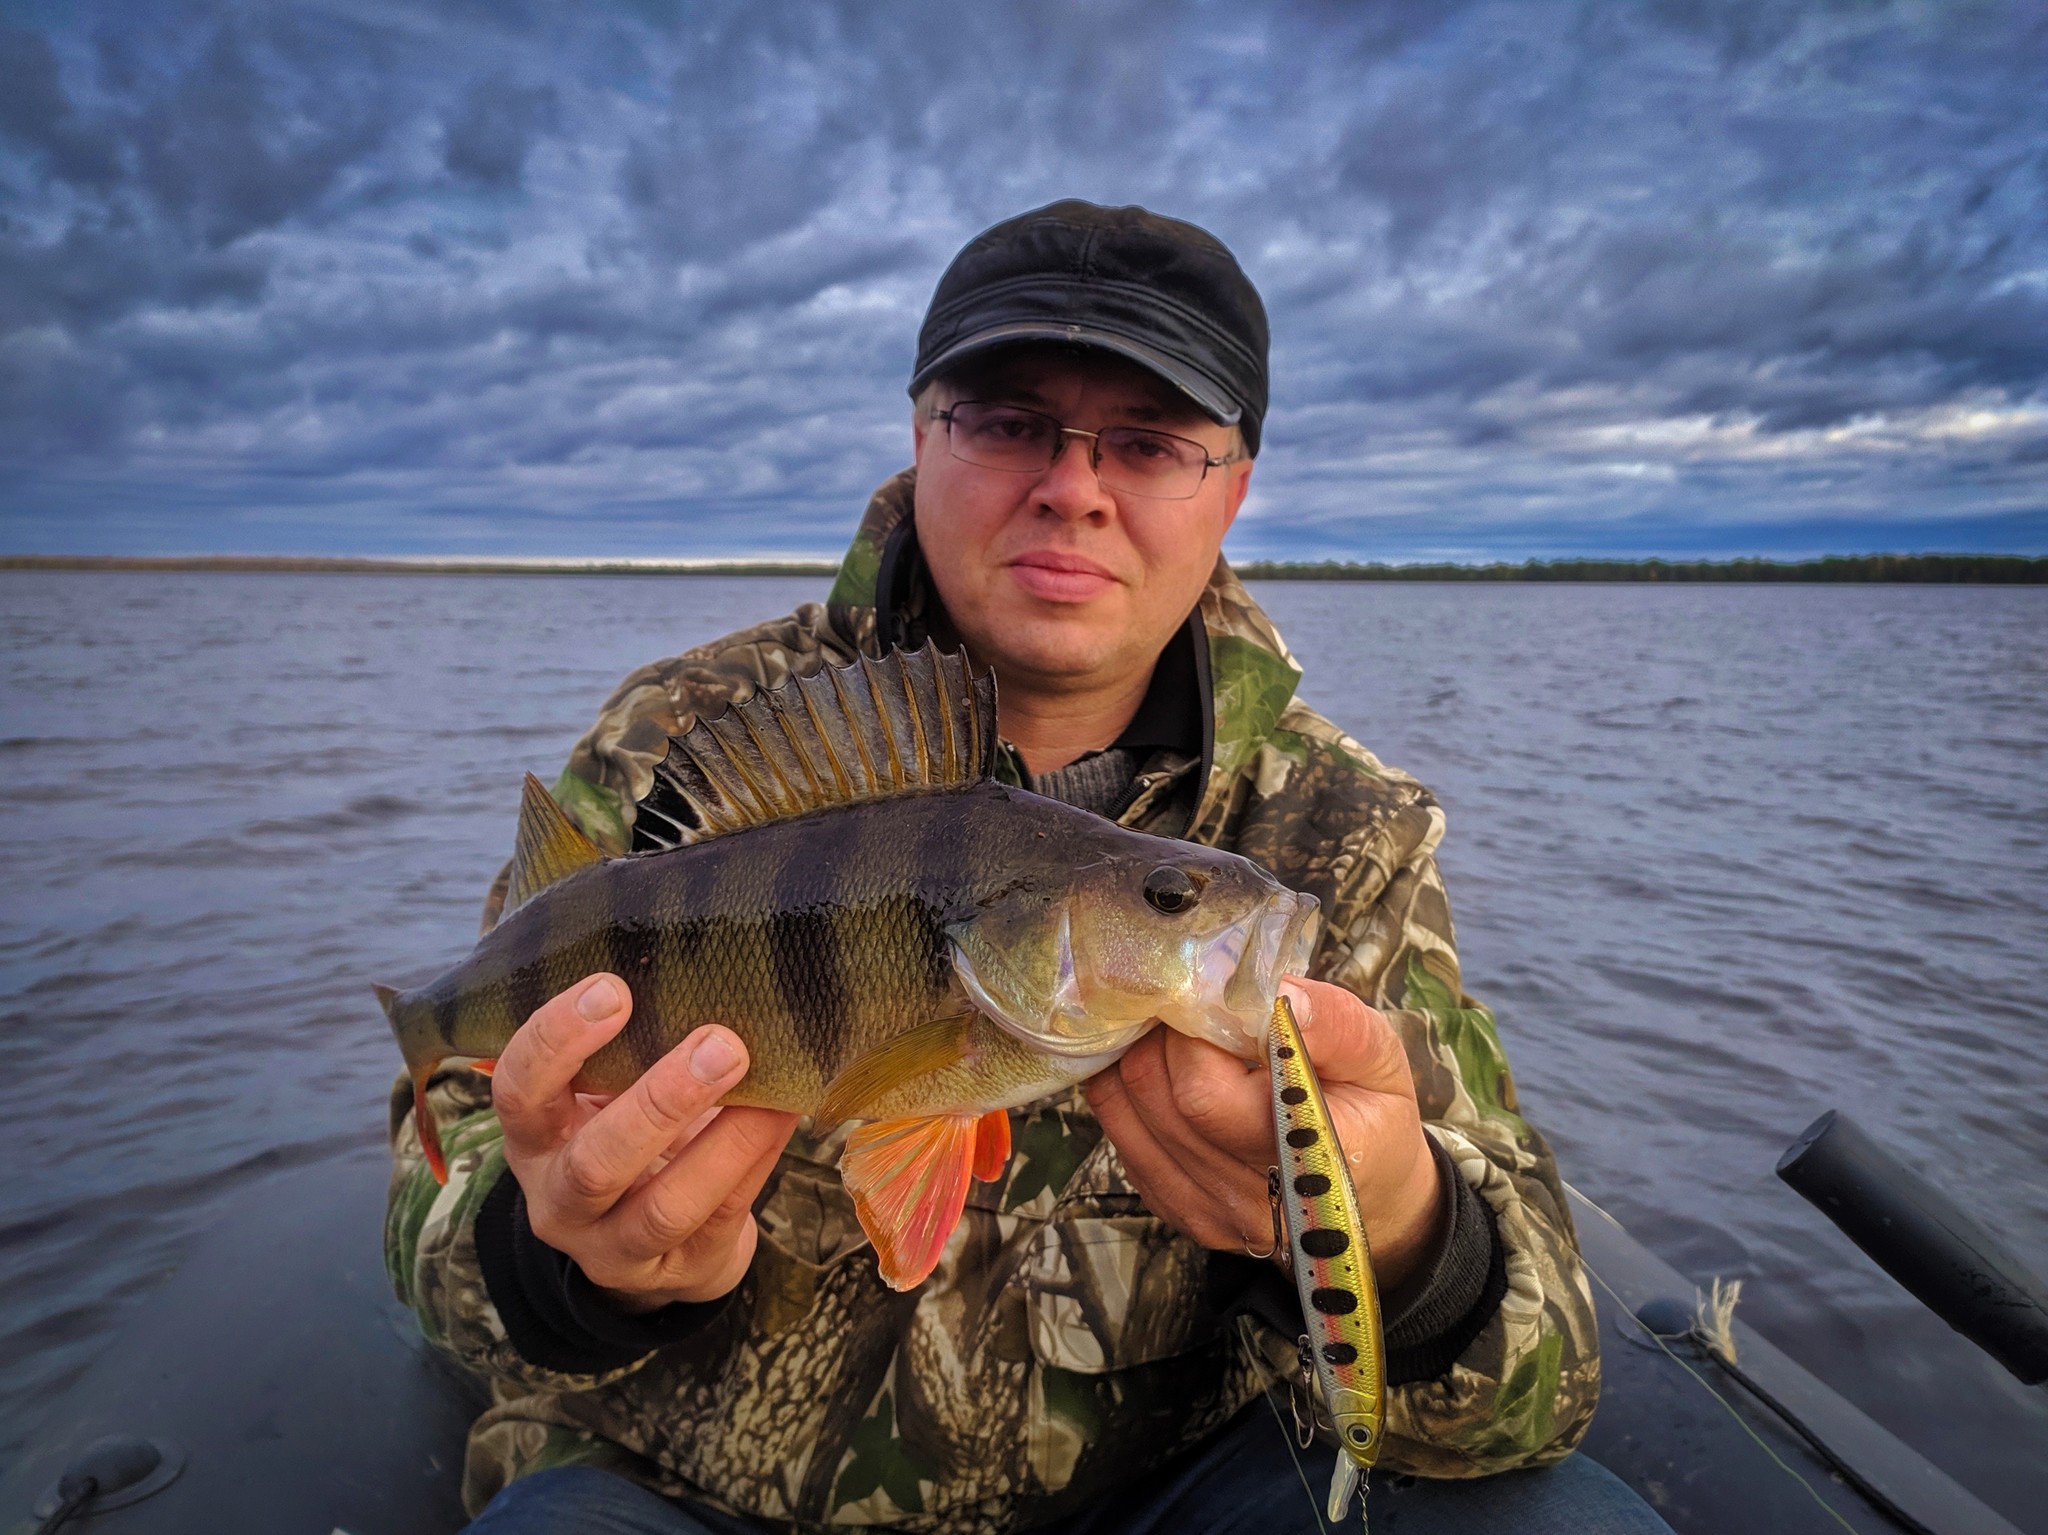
{"x": 1127, "y": 458}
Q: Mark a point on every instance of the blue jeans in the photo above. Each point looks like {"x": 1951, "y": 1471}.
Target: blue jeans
{"x": 1242, "y": 1481}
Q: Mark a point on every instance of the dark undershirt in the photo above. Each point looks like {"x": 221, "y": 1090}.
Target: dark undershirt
{"x": 559, "y": 1320}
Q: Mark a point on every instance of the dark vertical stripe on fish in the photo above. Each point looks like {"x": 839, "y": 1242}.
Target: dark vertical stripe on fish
{"x": 526, "y": 942}
{"x": 631, "y": 947}
{"x": 945, "y": 847}
{"x": 803, "y": 947}
{"x": 945, "y": 853}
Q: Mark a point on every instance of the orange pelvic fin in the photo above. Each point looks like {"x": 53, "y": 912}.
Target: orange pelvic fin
{"x": 992, "y": 1145}
{"x": 487, "y": 1065}
{"x": 908, "y": 1179}
{"x": 423, "y": 1121}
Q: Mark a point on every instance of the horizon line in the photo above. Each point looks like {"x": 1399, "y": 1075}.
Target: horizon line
{"x": 1872, "y": 567}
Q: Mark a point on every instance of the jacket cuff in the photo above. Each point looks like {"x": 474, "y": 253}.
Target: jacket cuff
{"x": 1431, "y": 1319}
{"x": 1454, "y": 1291}
{"x": 552, "y": 1314}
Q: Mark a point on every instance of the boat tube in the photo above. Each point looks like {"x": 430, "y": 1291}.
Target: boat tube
{"x": 1924, "y": 1240}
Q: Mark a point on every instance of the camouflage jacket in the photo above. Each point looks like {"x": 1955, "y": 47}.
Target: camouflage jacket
{"x": 1065, "y": 1343}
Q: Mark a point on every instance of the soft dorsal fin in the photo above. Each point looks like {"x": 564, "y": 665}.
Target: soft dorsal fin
{"x": 909, "y": 721}
{"x": 550, "y": 845}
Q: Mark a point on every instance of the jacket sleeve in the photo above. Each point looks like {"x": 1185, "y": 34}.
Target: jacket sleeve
{"x": 1522, "y": 1392}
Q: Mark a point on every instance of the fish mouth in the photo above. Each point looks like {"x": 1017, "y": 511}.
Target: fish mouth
{"x": 1241, "y": 970}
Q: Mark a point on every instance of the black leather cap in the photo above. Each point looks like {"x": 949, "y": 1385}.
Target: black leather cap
{"x": 1163, "y": 293}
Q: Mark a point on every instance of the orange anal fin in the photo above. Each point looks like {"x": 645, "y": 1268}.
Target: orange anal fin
{"x": 908, "y": 1179}
{"x": 992, "y": 1145}
{"x": 429, "y": 1132}
{"x": 487, "y": 1065}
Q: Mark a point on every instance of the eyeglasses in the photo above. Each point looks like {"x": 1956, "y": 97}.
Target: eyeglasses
{"x": 1132, "y": 459}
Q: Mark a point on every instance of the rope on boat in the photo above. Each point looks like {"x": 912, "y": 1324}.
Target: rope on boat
{"x": 1705, "y": 1385}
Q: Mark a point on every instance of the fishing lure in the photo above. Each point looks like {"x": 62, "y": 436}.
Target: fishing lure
{"x": 1314, "y": 1202}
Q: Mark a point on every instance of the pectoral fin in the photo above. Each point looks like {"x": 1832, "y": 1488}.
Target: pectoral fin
{"x": 908, "y": 1179}
{"x": 862, "y": 1089}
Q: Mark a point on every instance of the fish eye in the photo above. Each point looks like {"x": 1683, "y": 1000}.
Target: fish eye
{"x": 1170, "y": 889}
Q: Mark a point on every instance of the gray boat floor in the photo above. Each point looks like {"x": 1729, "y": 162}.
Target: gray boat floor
{"x": 306, "y": 1402}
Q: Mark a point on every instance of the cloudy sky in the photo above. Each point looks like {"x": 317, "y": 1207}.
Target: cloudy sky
{"x": 1545, "y": 279}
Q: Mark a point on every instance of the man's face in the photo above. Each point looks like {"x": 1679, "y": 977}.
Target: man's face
{"x": 1049, "y": 578}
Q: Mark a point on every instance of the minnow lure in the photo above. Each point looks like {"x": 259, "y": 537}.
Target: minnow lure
{"x": 1315, "y": 1203}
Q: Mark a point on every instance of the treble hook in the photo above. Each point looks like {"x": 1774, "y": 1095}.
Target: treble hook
{"x": 1301, "y": 1394}
{"x": 1273, "y": 1202}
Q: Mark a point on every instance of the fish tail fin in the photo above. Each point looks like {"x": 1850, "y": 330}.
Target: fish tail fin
{"x": 422, "y": 1066}
{"x": 423, "y": 1121}
{"x": 908, "y": 1179}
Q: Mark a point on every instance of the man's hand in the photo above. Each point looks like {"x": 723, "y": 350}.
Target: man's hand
{"x": 1194, "y": 1126}
{"x": 650, "y": 1192}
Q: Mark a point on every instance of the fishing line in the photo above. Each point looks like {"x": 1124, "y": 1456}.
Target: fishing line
{"x": 1286, "y": 1438}
{"x": 1728, "y": 1406}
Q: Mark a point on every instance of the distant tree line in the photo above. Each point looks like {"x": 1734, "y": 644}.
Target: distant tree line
{"x": 1969, "y": 569}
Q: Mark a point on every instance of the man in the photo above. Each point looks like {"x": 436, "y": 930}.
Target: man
{"x": 679, "y": 1316}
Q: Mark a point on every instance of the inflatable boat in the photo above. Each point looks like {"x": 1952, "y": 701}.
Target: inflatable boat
{"x": 307, "y": 1403}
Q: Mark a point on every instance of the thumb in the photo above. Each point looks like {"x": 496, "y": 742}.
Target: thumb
{"x": 1348, "y": 1040}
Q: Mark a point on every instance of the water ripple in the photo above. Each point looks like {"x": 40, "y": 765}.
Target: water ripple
{"x": 1721, "y": 858}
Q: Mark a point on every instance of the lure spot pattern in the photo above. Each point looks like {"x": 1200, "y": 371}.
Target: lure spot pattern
{"x": 1333, "y": 1270}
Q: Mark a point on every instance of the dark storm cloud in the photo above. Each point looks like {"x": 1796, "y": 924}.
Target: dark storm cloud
{"x": 488, "y": 138}
{"x": 1542, "y": 277}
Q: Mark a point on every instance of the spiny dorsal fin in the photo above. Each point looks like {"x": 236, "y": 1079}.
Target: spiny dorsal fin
{"x": 550, "y": 845}
{"x": 910, "y": 721}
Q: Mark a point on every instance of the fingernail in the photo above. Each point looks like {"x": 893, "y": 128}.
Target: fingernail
{"x": 1297, "y": 1002}
{"x": 599, "y": 1001}
{"x": 714, "y": 1058}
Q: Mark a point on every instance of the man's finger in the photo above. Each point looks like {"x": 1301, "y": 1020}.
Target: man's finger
{"x": 1199, "y": 1100}
{"x": 601, "y": 1161}
{"x": 530, "y": 1088}
{"x": 1347, "y": 1040}
{"x": 1217, "y": 1202}
{"x": 706, "y": 1187}
{"x": 1150, "y": 1089}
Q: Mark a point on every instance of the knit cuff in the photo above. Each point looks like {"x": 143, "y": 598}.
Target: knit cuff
{"x": 1453, "y": 1293}
{"x": 552, "y": 1313}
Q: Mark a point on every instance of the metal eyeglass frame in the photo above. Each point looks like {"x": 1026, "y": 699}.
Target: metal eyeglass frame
{"x": 1094, "y": 444}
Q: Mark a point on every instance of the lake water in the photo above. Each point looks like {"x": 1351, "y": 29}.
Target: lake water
{"x": 1722, "y": 858}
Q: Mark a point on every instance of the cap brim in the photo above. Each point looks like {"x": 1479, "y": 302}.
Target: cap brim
{"x": 1211, "y": 401}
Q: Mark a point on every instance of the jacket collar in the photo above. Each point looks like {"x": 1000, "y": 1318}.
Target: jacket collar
{"x": 1251, "y": 673}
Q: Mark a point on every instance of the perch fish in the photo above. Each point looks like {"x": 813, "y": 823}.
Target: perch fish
{"x": 830, "y": 870}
